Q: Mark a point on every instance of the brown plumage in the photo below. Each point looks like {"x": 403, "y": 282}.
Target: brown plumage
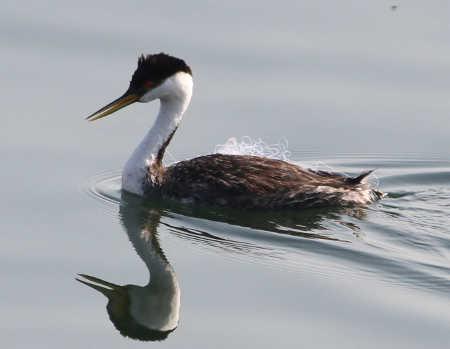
{"x": 255, "y": 182}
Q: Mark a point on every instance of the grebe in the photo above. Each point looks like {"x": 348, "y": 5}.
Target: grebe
{"x": 241, "y": 181}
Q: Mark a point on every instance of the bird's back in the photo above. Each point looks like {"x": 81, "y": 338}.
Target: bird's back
{"x": 252, "y": 182}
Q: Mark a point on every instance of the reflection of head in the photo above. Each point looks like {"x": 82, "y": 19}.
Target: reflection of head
{"x": 129, "y": 327}
{"x": 153, "y": 322}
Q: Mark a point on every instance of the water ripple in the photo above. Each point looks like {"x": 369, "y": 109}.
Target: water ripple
{"x": 403, "y": 239}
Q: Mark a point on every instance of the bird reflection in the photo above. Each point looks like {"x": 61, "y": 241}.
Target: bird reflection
{"x": 151, "y": 312}
{"x": 148, "y": 312}
{"x": 308, "y": 223}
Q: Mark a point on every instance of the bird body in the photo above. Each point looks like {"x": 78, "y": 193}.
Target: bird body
{"x": 256, "y": 182}
{"x": 217, "y": 179}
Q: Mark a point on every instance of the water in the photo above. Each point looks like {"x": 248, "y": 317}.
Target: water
{"x": 351, "y": 88}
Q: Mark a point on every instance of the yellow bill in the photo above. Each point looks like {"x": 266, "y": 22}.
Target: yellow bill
{"x": 119, "y": 103}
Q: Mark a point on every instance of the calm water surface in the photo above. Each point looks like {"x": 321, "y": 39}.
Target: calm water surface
{"x": 352, "y": 88}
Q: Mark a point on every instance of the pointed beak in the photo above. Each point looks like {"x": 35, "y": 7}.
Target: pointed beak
{"x": 108, "y": 289}
{"x": 127, "y": 98}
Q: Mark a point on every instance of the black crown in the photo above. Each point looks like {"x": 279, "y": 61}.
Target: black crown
{"x": 156, "y": 68}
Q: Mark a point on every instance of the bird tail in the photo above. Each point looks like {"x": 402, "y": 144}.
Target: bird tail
{"x": 362, "y": 179}
{"x": 359, "y": 179}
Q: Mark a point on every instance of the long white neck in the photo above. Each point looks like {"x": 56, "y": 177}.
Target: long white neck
{"x": 174, "y": 94}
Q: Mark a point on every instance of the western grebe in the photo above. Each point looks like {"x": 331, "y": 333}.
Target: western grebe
{"x": 217, "y": 179}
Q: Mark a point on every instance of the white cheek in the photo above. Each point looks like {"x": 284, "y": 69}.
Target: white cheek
{"x": 178, "y": 85}
{"x": 147, "y": 97}
{"x": 151, "y": 95}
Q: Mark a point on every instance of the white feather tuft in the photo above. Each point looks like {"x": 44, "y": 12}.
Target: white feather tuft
{"x": 257, "y": 147}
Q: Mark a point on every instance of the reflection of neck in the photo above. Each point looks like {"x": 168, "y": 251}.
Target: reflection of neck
{"x": 148, "y": 155}
{"x": 156, "y": 305}
{"x": 147, "y": 247}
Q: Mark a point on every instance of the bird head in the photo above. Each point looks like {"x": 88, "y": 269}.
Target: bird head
{"x": 157, "y": 76}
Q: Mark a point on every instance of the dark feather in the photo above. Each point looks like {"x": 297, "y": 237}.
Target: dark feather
{"x": 360, "y": 178}
{"x": 156, "y": 68}
{"x": 251, "y": 181}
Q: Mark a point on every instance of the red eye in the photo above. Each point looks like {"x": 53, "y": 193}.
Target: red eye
{"x": 148, "y": 84}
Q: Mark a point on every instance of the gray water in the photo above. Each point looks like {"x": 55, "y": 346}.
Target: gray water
{"x": 351, "y": 86}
